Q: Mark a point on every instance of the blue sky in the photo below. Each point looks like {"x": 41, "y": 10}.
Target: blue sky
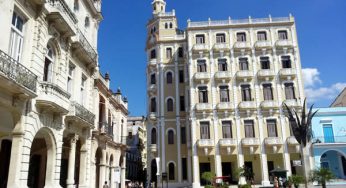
{"x": 321, "y": 27}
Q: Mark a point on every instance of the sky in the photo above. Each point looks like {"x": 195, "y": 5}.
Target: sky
{"x": 321, "y": 28}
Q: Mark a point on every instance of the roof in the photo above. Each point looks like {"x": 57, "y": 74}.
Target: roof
{"x": 340, "y": 97}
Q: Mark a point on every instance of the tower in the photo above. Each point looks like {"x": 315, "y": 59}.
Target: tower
{"x": 159, "y": 6}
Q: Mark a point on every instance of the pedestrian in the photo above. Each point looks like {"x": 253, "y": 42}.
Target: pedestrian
{"x": 105, "y": 185}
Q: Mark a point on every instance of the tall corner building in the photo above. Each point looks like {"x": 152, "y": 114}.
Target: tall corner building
{"x": 215, "y": 95}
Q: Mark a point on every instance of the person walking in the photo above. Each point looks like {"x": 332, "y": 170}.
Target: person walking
{"x": 105, "y": 185}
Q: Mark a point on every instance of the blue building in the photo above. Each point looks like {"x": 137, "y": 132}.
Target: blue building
{"x": 329, "y": 142}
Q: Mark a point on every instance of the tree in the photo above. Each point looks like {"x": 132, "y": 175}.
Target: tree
{"x": 208, "y": 177}
{"x": 322, "y": 176}
{"x": 247, "y": 173}
{"x": 302, "y": 131}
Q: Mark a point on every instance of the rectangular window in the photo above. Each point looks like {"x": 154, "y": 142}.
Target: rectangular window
{"x": 201, "y": 66}
{"x": 265, "y": 63}
{"x": 286, "y": 62}
{"x": 153, "y": 105}
{"x": 289, "y": 91}
{"x": 181, "y": 76}
{"x": 226, "y": 129}
{"x": 249, "y": 129}
{"x": 183, "y": 135}
{"x": 222, "y": 64}
{"x": 152, "y": 79}
{"x": 220, "y": 38}
{"x": 180, "y": 52}
{"x": 224, "y": 94}
{"x": 184, "y": 168}
{"x": 282, "y": 35}
{"x": 83, "y": 90}
{"x": 70, "y": 78}
{"x": 271, "y": 126}
{"x": 241, "y": 37}
{"x": 268, "y": 92}
{"x": 182, "y": 103}
{"x": 243, "y": 64}
{"x": 200, "y": 39}
{"x": 246, "y": 92}
{"x": 16, "y": 37}
{"x": 205, "y": 134}
{"x": 203, "y": 94}
{"x": 262, "y": 36}
{"x": 168, "y": 53}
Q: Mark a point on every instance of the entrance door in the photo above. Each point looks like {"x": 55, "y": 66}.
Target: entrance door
{"x": 249, "y": 166}
{"x": 34, "y": 170}
{"x": 328, "y": 133}
{"x": 5, "y": 156}
{"x": 270, "y": 168}
{"x": 227, "y": 170}
{"x": 203, "y": 167}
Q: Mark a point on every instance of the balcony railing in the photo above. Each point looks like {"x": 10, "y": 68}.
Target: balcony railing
{"x": 273, "y": 141}
{"x": 152, "y": 116}
{"x": 221, "y": 46}
{"x": 329, "y": 139}
{"x": 15, "y": 71}
{"x": 284, "y": 43}
{"x": 250, "y": 141}
{"x": 105, "y": 128}
{"x": 241, "y": 45}
{"x": 91, "y": 52}
{"x": 205, "y": 143}
{"x": 226, "y": 142}
{"x": 292, "y": 141}
{"x": 202, "y": 76}
{"x": 288, "y": 72}
{"x": 223, "y": 75}
{"x": 244, "y": 74}
{"x": 269, "y": 104}
{"x": 203, "y": 106}
{"x": 247, "y": 105}
{"x": 153, "y": 148}
{"x": 225, "y": 106}
{"x": 263, "y": 44}
{"x": 265, "y": 73}
{"x": 291, "y": 102}
{"x": 201, "y": 47}
{"x": 63, "y": 7}
{"x": 83, "y": 113}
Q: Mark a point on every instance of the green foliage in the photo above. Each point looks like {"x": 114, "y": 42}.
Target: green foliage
{"x": 208, "y": 177}
{"x": 246, "y": 172}
{"x": 322, "y": 176}
{"x": 244, "y": 186}
{"x": 296, "y": 180}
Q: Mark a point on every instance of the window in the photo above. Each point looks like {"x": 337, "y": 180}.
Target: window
{"x": 246, "y": 92}
{"x": 87, "y": 22}
{"x": 180, "y": 52}
{"x": 205, "y": 134}
{"x": 83, "y": 90}
{"x": 182, "y": 103}
{"x": 48, "y": 65}
{"x": 243, "y": 64}
{"x": 267, "y": 92}
{"x": 241, "y": 37}
{"x": 171, "y": 171}
{"x": 153, "y": 105}
{"x": 282, "y": 35}
{"x": 201, "y": 66}
{"x": 286, "y": 62}
{"x": 183, "y": 135}
{"x": 203, "y": 94}
{"x": 153, "y": 136}
{"x": 153, "y": 54}
{"x": 224, "y": 94}
{"x": 166, "y": 25}
{"x": 220, "y": 38}
{"x": 170, "y": 137}
{"x": 222, "y": 64}
{"x": 170, "y": 105}
{"x": 168, "y": 53}
{"x": 200, "y": 39}
{"x": 289, "y": 91}
{"x": 169, "y": 78}
{"x": 16, "y": 40}
{"x": 170, "y": 25}
{"x": 265, "y": 63}
{"x": 184, "y": 168}
{"x": 152, "y": 79}
{"x": 70, "y": 78}
{"x": 226, "y": 129}
{"x": 261, "y": 36}
{"x": 271, "y": 126}
{"x": 249, "y": 129}
{"x": 181, "y": 76}
{"x": 76, "y": 5}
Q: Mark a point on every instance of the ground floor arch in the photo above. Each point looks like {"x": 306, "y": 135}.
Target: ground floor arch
{"x": 335, "y": 161}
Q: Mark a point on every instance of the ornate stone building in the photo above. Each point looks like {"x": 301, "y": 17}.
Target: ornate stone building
{"x": 215, "y": 93}
{"x": 60, "y": 124}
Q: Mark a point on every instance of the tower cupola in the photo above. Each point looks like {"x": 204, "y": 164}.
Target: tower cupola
{"x": 159, "y": 6}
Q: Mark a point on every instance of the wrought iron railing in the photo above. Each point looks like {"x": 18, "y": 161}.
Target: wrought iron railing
{"x": 105, "y": 128}
{"x": 63, "y": 7}
{"x": 17, "y": 72}
{"x": 83, "y": 113}
{"x": 53, "y": 89}
{"x": 87, "y": 46}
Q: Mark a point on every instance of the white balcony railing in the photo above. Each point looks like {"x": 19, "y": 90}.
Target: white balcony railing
{"x": 284, "y": 43}
{"x": 202, "y": 76}
{"x": 201, "y": 47}
{"x": 291, "y": 102}
{"x": 153, "y": 62}
{"x": 250, "y": 141}
{"x": 203, "y": 107}
{"x": 205, "y": 143}
{"x": 292, "y": 141}
{"x": 288, "y": 72}
{"x": 265, "y": 73}
{"x": 273, "y": 141}
{"x": 53, "y": 97}
{"x": 269, "y": 104}
{"x": 244, "y": 74}
{"x": 223, "y": 75}
{"x": 227, "y": 142}
{"x": 242, "y": 45}
{"x": 263, "y": 44}
{"x": 153, "y": 148}
{"x": 152, "y": 87}
{"x": 247, "y": 105}
{"x": 225, "y": 106}
{"x": 221, "y": 46}
{"x": 152, "y": 116}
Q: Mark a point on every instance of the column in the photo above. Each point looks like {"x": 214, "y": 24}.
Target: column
{"x": 189, "y": 156}
{"x": 240, "y": 157}
{"x": 15, "y": 161}
{"x": 112, "y": 181}
{"x": 103, "y": 164}
{"x": 177, "y": 113}
{"x": 195, "y": 159}
{"x": 264, "y": 161}
{"x": 71, "y": 162}
{"x": 82, "y": 167}
{"x": 123, "y": 173}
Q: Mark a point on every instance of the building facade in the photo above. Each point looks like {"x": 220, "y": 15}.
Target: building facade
{"x": 50, "y": 134}
{"x": 215, "y": 92}
{"x": 329, "y": 140}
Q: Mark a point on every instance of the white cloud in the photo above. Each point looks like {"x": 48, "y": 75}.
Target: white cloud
{"x": 311, "y": 77}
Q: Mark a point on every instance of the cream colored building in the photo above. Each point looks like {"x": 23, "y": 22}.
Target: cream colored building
{"x": 215, "y": 93}
{"x": 50, "y": 134}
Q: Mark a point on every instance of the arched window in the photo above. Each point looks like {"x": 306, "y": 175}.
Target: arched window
{"x": 170, "y": 25}
{"x": 48, "y": 65}
{"x": 169, "y": 105}
{"x": 170, "y": 137}
{"x": 169, "y": 78}
{"x": 153, "y": 105}
{"x": 171, "y": 171}
{"x": 153, "y": 136}
{"x": 166, "y": 25}
{"x": 152, "y": 79}
{"x": 153, "y": 54}
{"x": 87, "y": 22}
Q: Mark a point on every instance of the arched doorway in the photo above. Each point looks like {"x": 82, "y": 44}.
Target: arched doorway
{"x": 334, "y": 161}
{"x": 153, "y": 167}
{"x": 98, "y": 157}
{"x": 42, "y": 150}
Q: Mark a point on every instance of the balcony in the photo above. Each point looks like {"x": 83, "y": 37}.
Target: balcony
{"x": 244, "y": 74}
{"x": 221, "y": 46}
{"x": 248, "y": 142}
{"x": 284, "y": 43}
{"x": 269, "y": 104}
{"x": 228, "y": 142}
{"x": 225, "y": 106}
{"x": 242, "y": 45}
{"x": 247, "y": 105}
{"x": 15, "y": 77}
{"x": 153, "y": 148}
{"x": 291, "y": 103}
{"x": 201, "y": 47}
{"x": 266, "y": 74}
{"x": 288, "y": 72}
{"x": 273, "y": 141}
{"x": 205, "y": 143}
{"x": 292, "y": 141}
{"x": 223, "y": 75}
{"x": 53, "y": 98}
{"x": 202, "y": 76}
{"x": 152, "y": 116}
{"x": 203, "y": 107}
{"x": 84, "y": 50}
{"x": 62, "y": 16}
{"x": 263, "y": 44}
{"x": 80, "y": 114}
{"x": 153, "y": 62}
{"x": 152, "y": 88}
{"x": 107, "y": 130}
